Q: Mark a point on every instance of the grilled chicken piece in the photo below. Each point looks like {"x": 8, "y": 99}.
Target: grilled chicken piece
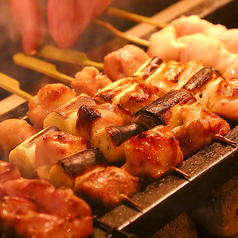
{"x": 94, "y": 117}
{"x": 152, "y": 153}
{"x": 124, "y": 62}
{"x": 89, "y": 81}
{"x": 12, "y": 133}
{"x": 209, "y": 50}
{"x": 139, "y": 96}
{"x": 110, "y": 186}
{"x": 54, "y": 146}
{"x": 48, "y": 98}
{"x": 187, "y": 25}
{"x": 8, "y": 172}
{"x": 131, "y": 93}
{"x": 199, "y": 128}
{"x": 168, "y": 76}
{"x": 224, "y": 99}
{"x": 117, "y": 89}
{"x": 34, "y": 208}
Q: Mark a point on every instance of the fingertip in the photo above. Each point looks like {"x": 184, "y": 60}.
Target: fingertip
{"x": 68, "y": 19}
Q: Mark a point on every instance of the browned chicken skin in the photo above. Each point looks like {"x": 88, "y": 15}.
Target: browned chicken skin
{"x": 107, "y": 186}
{"x": 89, "y": 81}
{"x": 48, "y": 98}
{"x": 153, "y": 153}
{"x": 30, "y": 208}
{"x": 199, "y": 128}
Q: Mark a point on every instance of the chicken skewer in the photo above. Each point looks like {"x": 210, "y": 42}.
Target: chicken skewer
{"x": 88, "y": 174}
{"x": 177, "y": 109}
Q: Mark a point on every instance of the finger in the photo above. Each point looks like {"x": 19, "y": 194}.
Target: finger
{"x": 100, "y": 6}
{"x": 28, "y": 17}
{"x": 67, "y": 19}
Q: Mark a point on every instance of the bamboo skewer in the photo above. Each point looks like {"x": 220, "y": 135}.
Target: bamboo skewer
{"x": 131, "y": 202}
{"x": 121, "y": 34}
{"x": 180, "y": 172}
{"x": 41, "y": 67}
{"x": 224, "y": 139}
{"x": 134, "y": 17}
{"x": 67, "y": 55}
{"x": 12, "y": 86}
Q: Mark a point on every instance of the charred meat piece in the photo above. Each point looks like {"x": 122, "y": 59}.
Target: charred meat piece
{"x": 34, "y": 208}
{"x": 46, "y": 211}
{"x": 89, "y": 81}
{"x": 54, "y": 146}
{"x": 153, "y": 153}
{"x": 48, "y": 98}
{"x": 110, "y": 186}
{"x": 199, "y": 128}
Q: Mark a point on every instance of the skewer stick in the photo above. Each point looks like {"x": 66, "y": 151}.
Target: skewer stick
{"x": 224, "y": 139}
{"x": 67, "y": 55}
{"x": 180, "y": 172}
{"x": 134, "y": 17}
{"x": 130, "y": 201}
{"x": 41, "y": 67}
{"x": 12, "y": 86}
{"x": 121, "y": 34}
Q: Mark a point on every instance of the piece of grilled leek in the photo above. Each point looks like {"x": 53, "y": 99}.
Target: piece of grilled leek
{"x": 203, "y": 84}
{"x": 164, "y": 111}
{"x": 73, "y": 170}
{"x": 23, "y": 156}
{"x": 110, "y": 140}
{"x": 65, "y": 117}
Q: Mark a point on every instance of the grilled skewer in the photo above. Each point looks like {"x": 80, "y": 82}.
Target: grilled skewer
{"x": 84, "y": 170}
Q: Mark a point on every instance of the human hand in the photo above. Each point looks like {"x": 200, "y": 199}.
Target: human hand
{"x": 66, "y": 20}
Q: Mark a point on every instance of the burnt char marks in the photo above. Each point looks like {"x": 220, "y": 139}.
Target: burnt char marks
{"x": 159, "y": 112}
{"x": 79, "y": 163}
{"x": 110, "y": 92}
{"x": 200, "y": 79}
{"x": 86, "y": 116}
{"x": 122, "y": 133}
{"x": 153, "y": 65}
